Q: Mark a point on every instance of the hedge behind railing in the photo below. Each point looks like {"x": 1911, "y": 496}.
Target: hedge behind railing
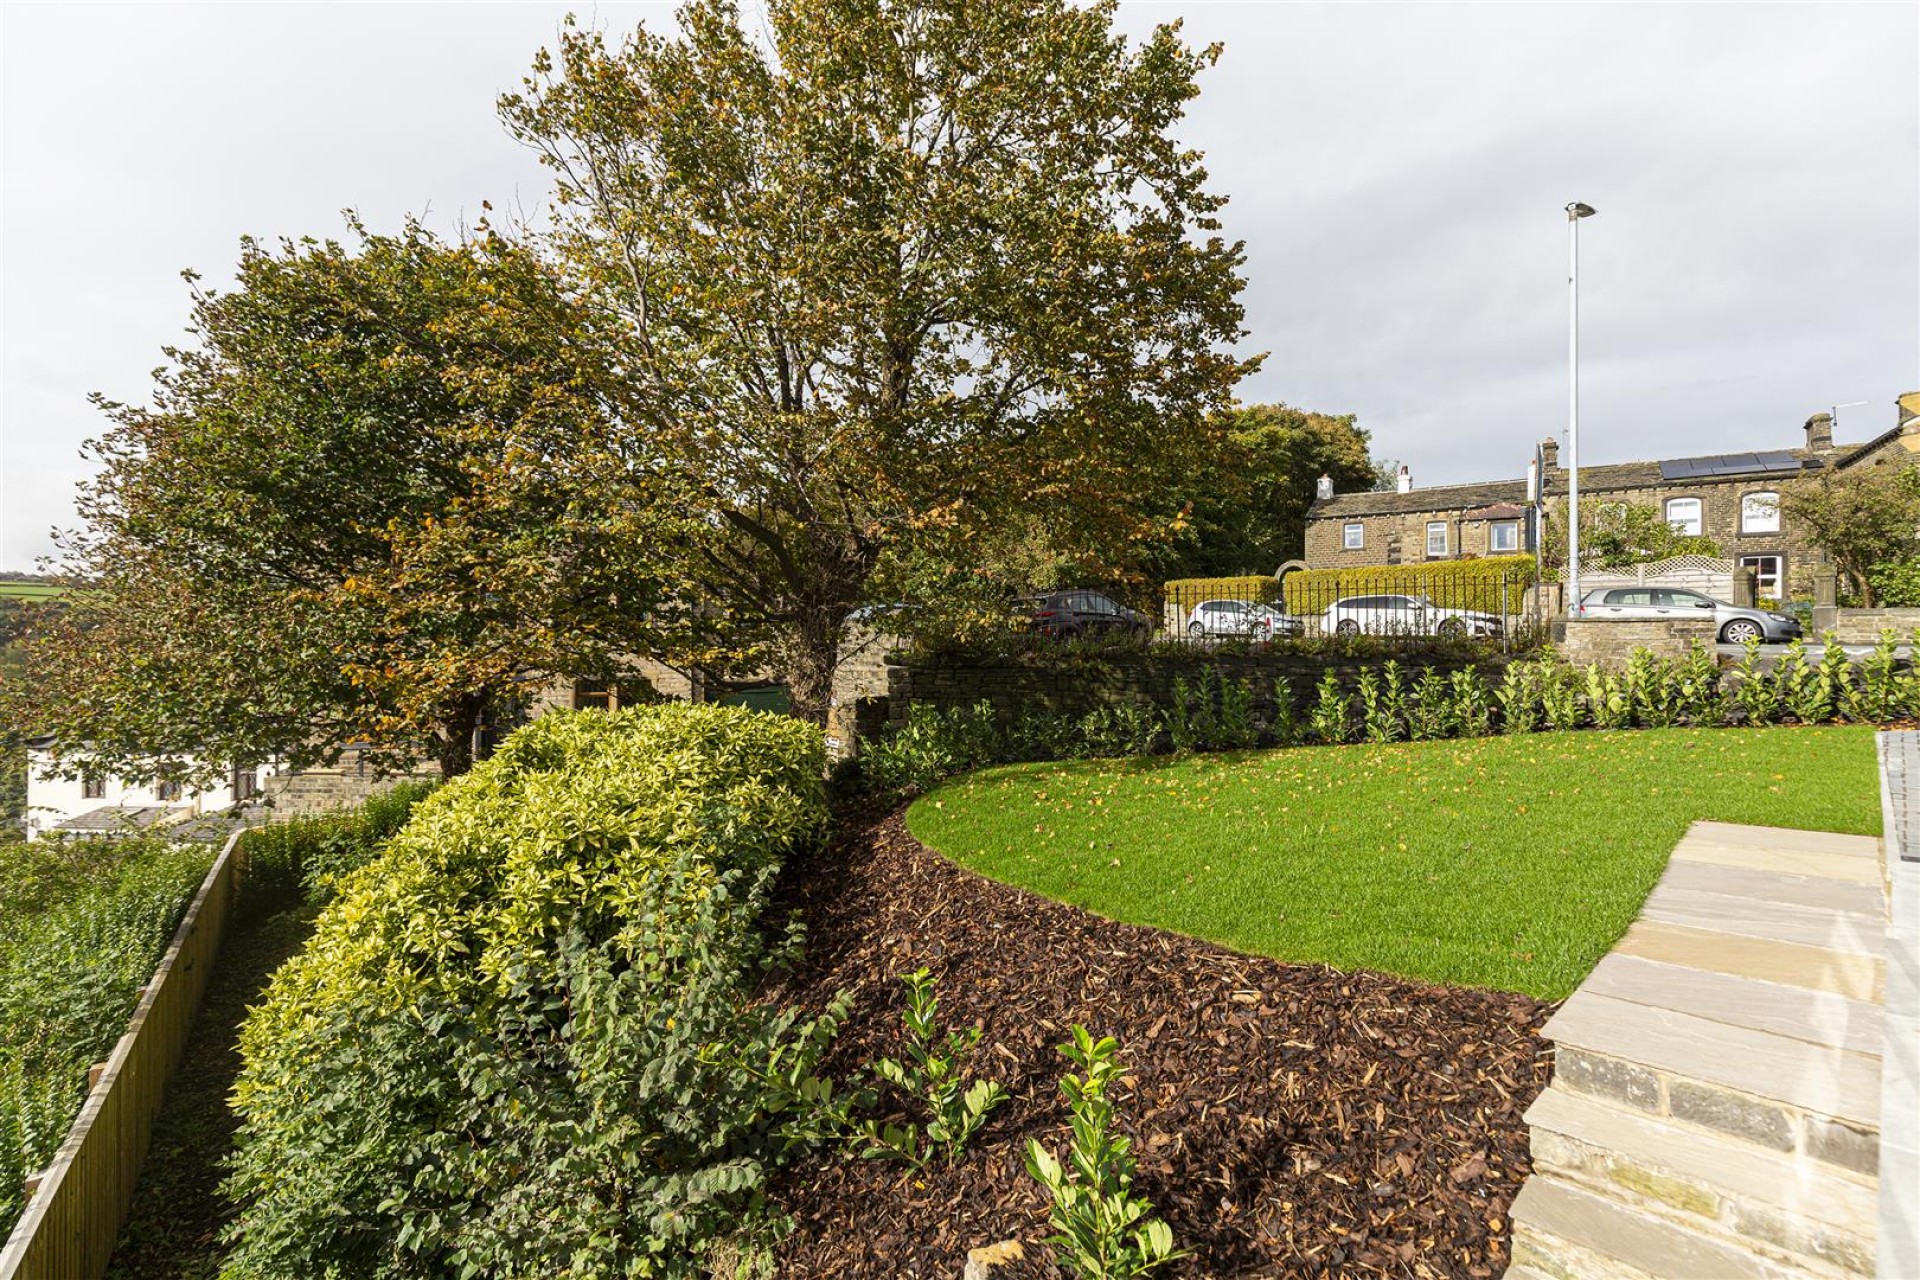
{"x": 1495, "y": 584}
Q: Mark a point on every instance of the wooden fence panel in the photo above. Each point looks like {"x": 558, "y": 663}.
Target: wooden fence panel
{"x": 71, "y": 1223}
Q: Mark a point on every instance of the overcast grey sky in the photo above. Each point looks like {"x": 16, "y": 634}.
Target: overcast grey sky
{"x": 1398, "y": 173}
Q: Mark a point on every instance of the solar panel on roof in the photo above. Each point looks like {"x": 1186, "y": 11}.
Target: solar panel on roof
{"x": 1727, "y": 464}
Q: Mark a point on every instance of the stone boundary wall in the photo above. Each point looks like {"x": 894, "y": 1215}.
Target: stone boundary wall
{"x": 1016, "y": 689}
{"x": 1611, "y": 641}
{"x": 1863, "y": 626}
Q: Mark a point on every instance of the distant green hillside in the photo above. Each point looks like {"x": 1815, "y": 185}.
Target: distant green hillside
{"x": 13, "y": 590}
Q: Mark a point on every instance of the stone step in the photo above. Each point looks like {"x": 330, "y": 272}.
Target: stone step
{"x": 1852, "y": 934}
{"x": 1722, "y": 1058}
{"x": 1777, "y": 886}
{"x": 1611, "y": 1239}
{"x": 1715, "y": 1184}
{"x": 1743, "y": 835}
{"x": 1794, "y": 964}
{"x": 1801, "y": 1013}
{"x": 1801, "y": 860}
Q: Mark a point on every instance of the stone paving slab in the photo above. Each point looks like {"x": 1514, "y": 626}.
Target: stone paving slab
{"x": 1777, "y": 921}
{"x": 1786, "y": 838}
{"x": 1774, "y": 886}
{"x": 1800, "y": 862}
{"x": 1729, "y": 1166}
{"x": 1832, "y": 1082}
{"x": 1794, "y": 964}
{"x": 1800, "y": 1013}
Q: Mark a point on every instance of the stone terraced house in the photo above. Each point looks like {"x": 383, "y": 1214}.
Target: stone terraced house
{"x": 1730, "y": 498}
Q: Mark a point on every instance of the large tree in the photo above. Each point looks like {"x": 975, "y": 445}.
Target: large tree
{"x": 892, "y": 273}
{"x": 1863, "y": 517}
{"x": 1249, "y": 500}
{"x": 376, "y": 497}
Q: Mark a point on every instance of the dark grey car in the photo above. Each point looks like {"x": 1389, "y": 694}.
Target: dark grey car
{"x": 1731, "y": 624}
{"x": 1066, "y": 614}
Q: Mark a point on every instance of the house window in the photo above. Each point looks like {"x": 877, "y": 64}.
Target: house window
{"x": 1684, "y": 515}
{"x": 93, "y": 787}
{"x": 1436, "y": 539}
{"x": 167, "y": 792}
{"x": 1760, "y": 513}
{"x": 1768, "y": 573}
{"x": 1353, "y": 537}
{"x": 246, "y": 784}
{"x": 597, "y": 694}
{"x": 1504, "y": 536}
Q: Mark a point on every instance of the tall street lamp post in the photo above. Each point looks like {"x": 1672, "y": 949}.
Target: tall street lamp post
{"x": 1575, "y": 212}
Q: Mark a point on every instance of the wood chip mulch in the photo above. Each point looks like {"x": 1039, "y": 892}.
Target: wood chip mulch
{"x": 1290, "y": 1120}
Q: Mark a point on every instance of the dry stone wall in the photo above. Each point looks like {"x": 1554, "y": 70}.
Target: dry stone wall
{"x": 1016, "y": 689}
{"x": 1612, "y": 641}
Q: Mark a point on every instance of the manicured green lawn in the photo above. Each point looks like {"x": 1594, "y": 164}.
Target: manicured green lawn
{"x": 1511, "y": 862}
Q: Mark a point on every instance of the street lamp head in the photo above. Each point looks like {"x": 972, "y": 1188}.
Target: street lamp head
{"x": 1578, "y": 210}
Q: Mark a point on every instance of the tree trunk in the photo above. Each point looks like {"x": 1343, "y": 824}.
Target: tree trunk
{"x": 453, "y": 744}
{"x": 811, "y": 658}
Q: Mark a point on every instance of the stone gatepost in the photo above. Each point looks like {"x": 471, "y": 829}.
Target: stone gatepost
{"x": 1826, "y": 598}
{"x": 1743, "y": 586}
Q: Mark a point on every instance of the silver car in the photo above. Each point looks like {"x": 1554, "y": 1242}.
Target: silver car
{"x": 1732, "y": 625}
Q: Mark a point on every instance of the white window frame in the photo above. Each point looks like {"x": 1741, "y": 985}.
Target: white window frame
{"x": 1691, "y": 527}
{"x": 1439, "y": 527}
{"x": 1760, "y": 511}
{"x": 1759, "y": 579}
{"x": 1511, "y": 542}
{"x": 1353, "y": 537}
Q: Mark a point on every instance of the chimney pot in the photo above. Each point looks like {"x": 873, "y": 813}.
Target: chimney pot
{"x": 1406, "y": 479}
{"x": 1820, "y": 432}
{"x": 1323, "y": 488}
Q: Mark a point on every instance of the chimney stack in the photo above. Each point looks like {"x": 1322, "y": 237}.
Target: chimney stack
{"x": 1550, "y": 453}
{"x": 1323, "y": 488}
{"x": 1406, "y": 479}
{"x": 1820, "y": 433}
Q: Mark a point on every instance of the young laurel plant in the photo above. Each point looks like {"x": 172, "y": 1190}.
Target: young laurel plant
{"x": 1102, "y": 1230}
{"x": 932, "y": 1073}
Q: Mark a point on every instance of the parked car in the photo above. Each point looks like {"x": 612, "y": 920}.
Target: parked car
{"x": 1066, "y": 614}
{"x": 1733, "y": 625}
{"x": 1241, "y": 618}
{"x": 1405, "y": 615}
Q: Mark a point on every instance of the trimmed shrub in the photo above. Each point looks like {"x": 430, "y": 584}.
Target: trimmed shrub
{"x": 522, "y": 1041}
{"x": 1188, "y": 592}
{"x": 1496, "y": 584}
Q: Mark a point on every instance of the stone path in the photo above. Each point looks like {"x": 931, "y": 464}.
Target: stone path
{"x": 1716, "y": 1097}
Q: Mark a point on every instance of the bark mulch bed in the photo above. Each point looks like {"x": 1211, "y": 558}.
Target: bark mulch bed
{"x": 1290, "y": 1120}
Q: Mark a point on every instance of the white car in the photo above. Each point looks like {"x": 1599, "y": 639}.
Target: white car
{"x": 1405, "y": 615}
{"x": 1241, "y": 618}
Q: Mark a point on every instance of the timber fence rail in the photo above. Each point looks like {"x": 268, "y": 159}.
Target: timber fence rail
{"x": 74, "y": 1215}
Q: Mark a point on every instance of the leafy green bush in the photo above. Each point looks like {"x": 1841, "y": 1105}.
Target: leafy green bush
{"x": 1102, "y": 1229}
{"x": 1331, "y": 719}
{"x": 309, "y": 854}
{"x": 1876, "y": 697}
{"x": 932, "y": 1074}
{"x": 1896, "y": 584}
{"x": 1472, "y": 706}
{"x": 73, "y": 957}
{"x": 522, "y": 1041}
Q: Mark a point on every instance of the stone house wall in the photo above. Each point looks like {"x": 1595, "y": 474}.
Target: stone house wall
{"x": 1400, "y": 537}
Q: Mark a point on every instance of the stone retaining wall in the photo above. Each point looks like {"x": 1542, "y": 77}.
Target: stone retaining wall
{"x": 1612, "y": 641}
{"x": 1863, "y": 626}
{"x": 1074, "y": 690}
